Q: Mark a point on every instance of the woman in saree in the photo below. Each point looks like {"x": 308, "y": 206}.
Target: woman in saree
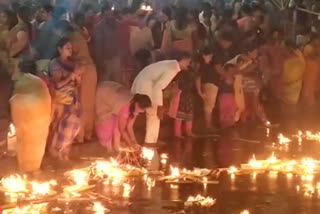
{"x": 292, "y": 78}
{"x": 116, "y": 112}
{"x": 65, "y": 81}
{"x": 83, "y": 61}
{"x": 18, "y": 39}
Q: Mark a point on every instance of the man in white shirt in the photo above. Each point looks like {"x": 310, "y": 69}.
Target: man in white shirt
{"x": 151, "y": 81}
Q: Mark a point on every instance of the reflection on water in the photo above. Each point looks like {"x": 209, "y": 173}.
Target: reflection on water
{"x": 258, "y": 192}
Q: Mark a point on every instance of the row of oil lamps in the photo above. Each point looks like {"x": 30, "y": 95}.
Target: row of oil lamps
{"x": 115, "y": 174}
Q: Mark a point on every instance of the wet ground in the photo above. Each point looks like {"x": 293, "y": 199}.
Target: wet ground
{"x": 261, "y": 193}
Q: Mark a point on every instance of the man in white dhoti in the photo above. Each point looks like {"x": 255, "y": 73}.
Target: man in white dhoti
{"x": 151, "y": 81}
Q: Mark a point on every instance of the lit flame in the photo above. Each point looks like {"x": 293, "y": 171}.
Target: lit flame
{"x": 12, "y": 131}
{"x": 127, "y": 190}
{"x": 42, "y": 188}
{"x": 80, "y": 177}
{"x": 311, "y": 136}
{"x": 245, "y": 212}
{"x": 272, "y": 159}
{"x": 201, "y": 200}
{"x": 308, "y": 164}
{"x": 254, "y": 163}
{"x": 146, "y": 7}
{"x": 98, "y": 208}
{"x": 175, "y": 172}
{"x": 164, "y": 158}
{"x": 232, "y": 170}
{"x": 150, "y": 183}
{"x": 147, "y": 153}
{"x": 14, "y": 184}
{"x": 28, "y": 209}
{"x": 283, "y": 140}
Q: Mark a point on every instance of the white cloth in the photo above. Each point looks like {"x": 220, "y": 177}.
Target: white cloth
{"x": 153, "y": 125}
{"x": 155, "y": 78}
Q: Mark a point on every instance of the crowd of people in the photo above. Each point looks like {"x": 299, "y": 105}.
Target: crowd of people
{"x": 67, "y": 76}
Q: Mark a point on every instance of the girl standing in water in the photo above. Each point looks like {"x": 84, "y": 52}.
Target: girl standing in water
{"x": 208, "y": 85}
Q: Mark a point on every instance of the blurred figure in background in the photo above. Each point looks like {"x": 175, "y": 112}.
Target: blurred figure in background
{"x": 7, "y": 21}
{"x": 83, "y": 61}
{"x": 107, "y": 54}
{"x": 19, "y": 37}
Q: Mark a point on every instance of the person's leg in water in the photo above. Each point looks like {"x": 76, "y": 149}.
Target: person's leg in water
{"x": 188, "y": 128}
{"x": 209, "y": 101}
{"x": 259, "y": 110}
{"x": 177, "y": 128}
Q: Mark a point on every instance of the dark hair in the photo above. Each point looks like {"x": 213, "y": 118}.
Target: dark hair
{"x": 28, "y": 66}
{"x": 24, "y": 14}
{"x": 48, "y": 8}
{"x": 12, "y": 18}
{"x": 15, "y": 6}
{"x": 142, "y": 100}
{"x": 203, "y": 52}
{"x": 143, "y": 56}
{"x": 205, "y": 6}
{"x": 181, "y": 18}
{"x": 179, "y": 55}
{"x": 126, "y": 11}
{"x": 206, "y": 51}
{"x": 105, "y": 8}
{"x": 246, "y": 9}
{"x": 167, "y": 11}
{"x": 62, "y": 42}
{"x": 79, "y": 19}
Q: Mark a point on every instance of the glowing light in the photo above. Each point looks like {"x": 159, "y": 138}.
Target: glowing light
{"x": 272, "y": 159}
{"x": 42, "y": 188}
{"x": 200, "y": 200}
{"x": 98, "y": 208}
{"x": 232, "y": 170}
{"x": 80, "y": 177}
{"x": 146, "y": 7}
{"x": 14, "y": 184}
{"x": 311, "y": 136}
{"x": 164, "y": 158}
{"x": 150, "y": 183}
{"x": 308, "y": 164}
{"x": 245, "y": 212}
{"x": 255, "y": 164}
{"x": 12, "y": 131}
{"x": 127, "y": 190}
{"x": 28, "y": 209}
{"x": 175, "y": 172}
{"x": 147, "y": 154}
{"x": 283, "y": 140}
